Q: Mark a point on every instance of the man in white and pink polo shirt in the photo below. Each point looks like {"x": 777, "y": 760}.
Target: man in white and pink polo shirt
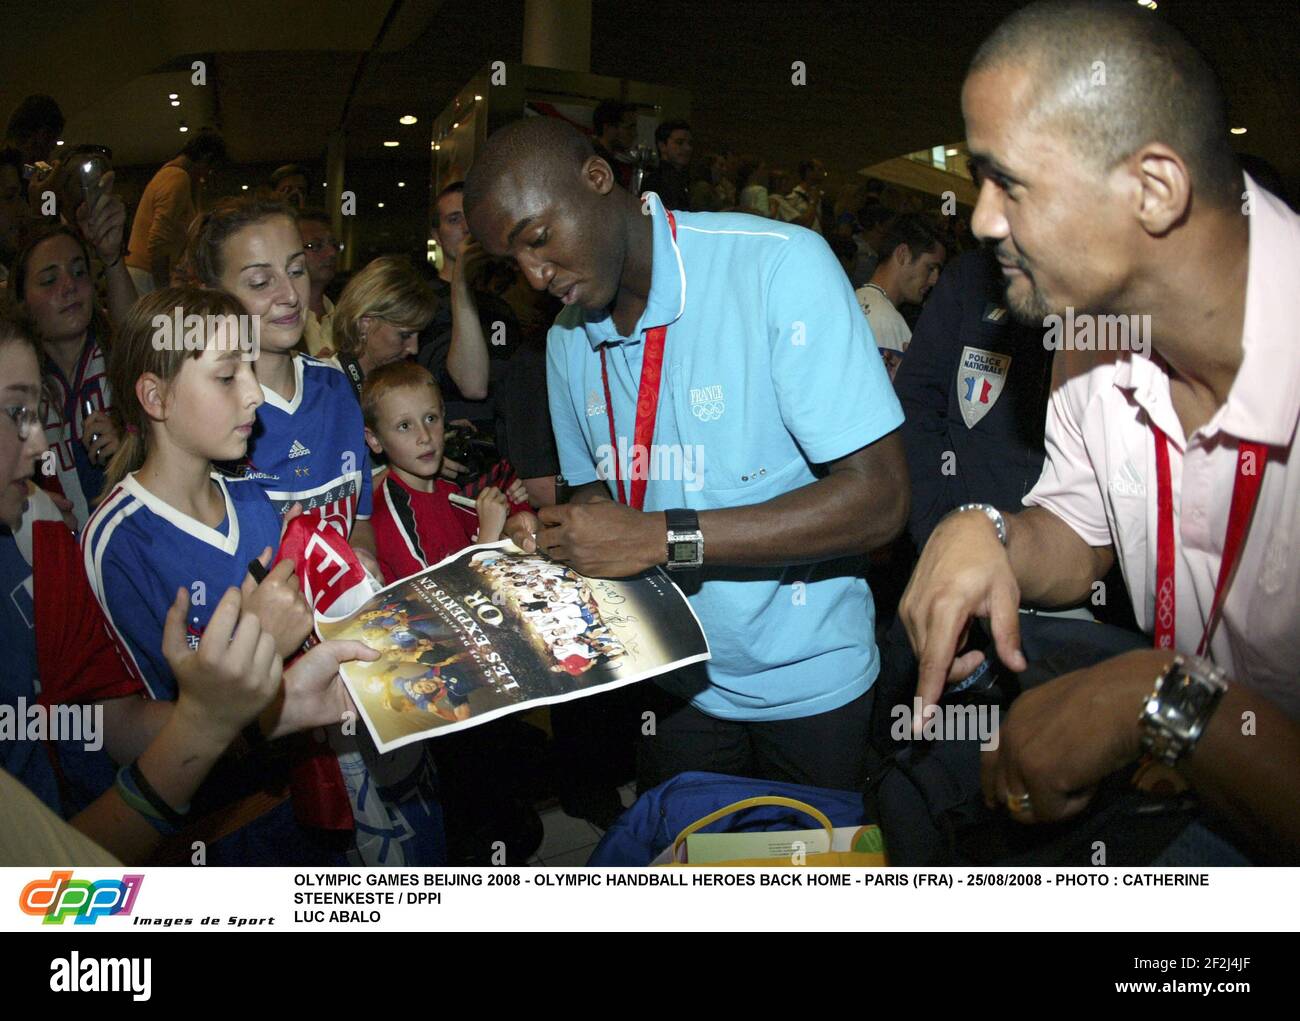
{"x": 1108, "y": 188}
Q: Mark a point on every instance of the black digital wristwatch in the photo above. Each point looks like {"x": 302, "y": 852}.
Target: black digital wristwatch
{"x": 685, "y": 541}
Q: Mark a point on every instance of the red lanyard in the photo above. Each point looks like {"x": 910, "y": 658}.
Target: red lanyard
{"x": 647, "y": 408}
{"x": 1244, "y": 492}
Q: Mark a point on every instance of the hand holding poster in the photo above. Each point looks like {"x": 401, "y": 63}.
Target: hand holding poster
{"x": 492, "y": 630}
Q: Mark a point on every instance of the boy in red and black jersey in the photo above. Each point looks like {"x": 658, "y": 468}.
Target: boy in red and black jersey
{"x": 416, "y": 523}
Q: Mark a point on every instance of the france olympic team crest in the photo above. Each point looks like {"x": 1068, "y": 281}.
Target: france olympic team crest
{"x": 981, "y": 377}
{"x": 706, "y": 403}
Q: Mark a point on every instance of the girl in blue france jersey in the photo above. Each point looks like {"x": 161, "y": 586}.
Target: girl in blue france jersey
{"x": 57, "y": 653}
{"x": 309, "y": 445}
{"x": 184, "y": 413}
{"x": 167, "y": 520}
{"x": 188, "y": 397}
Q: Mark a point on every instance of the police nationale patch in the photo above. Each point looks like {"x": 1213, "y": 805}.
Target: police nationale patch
{"x": 981, "y": 377}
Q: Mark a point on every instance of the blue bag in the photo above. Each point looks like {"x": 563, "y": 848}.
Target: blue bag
{"x": 652, "y": 824}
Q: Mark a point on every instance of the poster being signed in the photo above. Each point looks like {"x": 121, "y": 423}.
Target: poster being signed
{"x": 492, "y": 630}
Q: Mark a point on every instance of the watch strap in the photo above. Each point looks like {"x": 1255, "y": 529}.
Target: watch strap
{"x": 682, "y": 519}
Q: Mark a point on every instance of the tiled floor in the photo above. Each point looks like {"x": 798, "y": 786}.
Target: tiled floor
{"x": 570, "y": 841}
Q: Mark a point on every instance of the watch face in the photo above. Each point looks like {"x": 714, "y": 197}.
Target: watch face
{"x": 683, "y": 552}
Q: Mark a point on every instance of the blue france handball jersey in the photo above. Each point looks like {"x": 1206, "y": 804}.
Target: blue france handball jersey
{"x": 312, "y": 449}
{"x": 23, "y": 758}
{"x": 139, "y": 550}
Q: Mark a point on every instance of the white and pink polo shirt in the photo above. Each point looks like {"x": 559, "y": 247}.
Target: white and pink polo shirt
{"x": 1100, "y": 472}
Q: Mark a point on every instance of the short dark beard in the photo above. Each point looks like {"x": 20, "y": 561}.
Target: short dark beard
{"x": 1032, "y": 312}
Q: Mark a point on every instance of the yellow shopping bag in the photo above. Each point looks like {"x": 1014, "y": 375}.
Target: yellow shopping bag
{"x": 846, "y": 846}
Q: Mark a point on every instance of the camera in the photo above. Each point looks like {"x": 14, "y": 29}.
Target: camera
{"x": 75, "y": 179}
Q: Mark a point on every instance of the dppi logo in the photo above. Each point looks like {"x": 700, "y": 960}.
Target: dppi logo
{"x": 60, "y": 896}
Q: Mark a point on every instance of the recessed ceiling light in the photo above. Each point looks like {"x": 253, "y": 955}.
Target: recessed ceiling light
{"x": 184, "y": 129}
{"x": 478, "y": 99}
{"x": 1150, "y": 5}
{"x": 455, "y": 125}
{"x": 408, "y": 119}
{"x": 391, "y": 145}
{"x": 401, "y": 184}
{"x": 1238, "y": 131}
{"x": 324, "y": 184}
{"x": 176, "y": 102}
{"x": 243, "y": 187}
{"x": 436, "y": 146}
{"x": 381, "y": 205}
{"x": 59, "y": 142}
{"x": 172, "y": 95}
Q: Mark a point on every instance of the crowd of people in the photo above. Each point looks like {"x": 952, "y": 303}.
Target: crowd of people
{"x": 906, "y": 492}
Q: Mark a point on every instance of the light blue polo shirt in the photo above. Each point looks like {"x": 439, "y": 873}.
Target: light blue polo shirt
{"x": 769, "y": 368}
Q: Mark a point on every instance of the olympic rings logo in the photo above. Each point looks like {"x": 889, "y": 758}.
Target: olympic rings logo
{"x": 1165, "y": 604}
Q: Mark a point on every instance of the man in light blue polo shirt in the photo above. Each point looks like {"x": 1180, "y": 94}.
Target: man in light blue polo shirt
{"x": 774, "y": 459}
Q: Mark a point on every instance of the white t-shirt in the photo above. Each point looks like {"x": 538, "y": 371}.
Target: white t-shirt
{"x": 887, "y": 326}
{"x": 753, "y": 199}
{"x": 796, "y": 204}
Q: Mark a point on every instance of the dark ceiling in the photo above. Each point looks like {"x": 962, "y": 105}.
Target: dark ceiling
{"x": 883, "y": 78}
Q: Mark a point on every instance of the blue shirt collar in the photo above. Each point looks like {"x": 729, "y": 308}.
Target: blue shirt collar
{"x": 667, "y": 299}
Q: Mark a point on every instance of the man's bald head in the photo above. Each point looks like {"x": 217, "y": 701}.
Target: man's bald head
{"x": 531, "y": 149}
{"x": 1114, "y": 77}
{"x": 540, "y": 195}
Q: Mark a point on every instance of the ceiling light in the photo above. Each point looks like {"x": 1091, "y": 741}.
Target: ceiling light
{"x": 478, "y": 99}
{"x": 436, "y": 145}
{"x": 172, "y": 95}
{"x": 244, "y": 187}
{"x": 1238, "y": 131}
{"x": 184, "y": 129}
{"x": 950, "y": 152}
{"x": 391, "y": 145}
{"x": 401, "y": 184}
{"x": 381, "y": 205}
{"x": 59, "y": 142}
{"x": 1150, "y": 5}
{"x": 455, "y": 125}
{"x": 176, "y": 102}
{"x": 408, "y": 119}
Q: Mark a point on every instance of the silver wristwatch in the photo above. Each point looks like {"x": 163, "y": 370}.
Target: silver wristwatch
{"x": 992, "y": 513}
{"x": 1176, "y": 712}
